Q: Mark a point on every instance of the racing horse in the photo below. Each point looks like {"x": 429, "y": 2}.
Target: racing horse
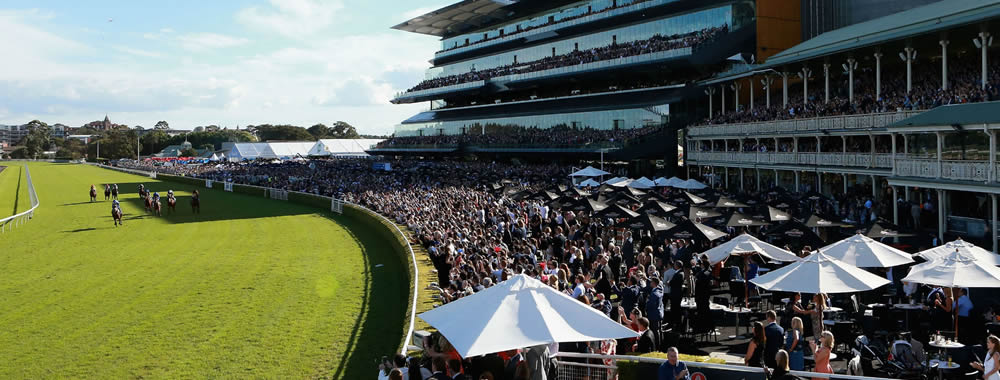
{"x": 171, "y": 204}
{"x": 107, "y": 192}
{"x": 195, "y": 203}
{"x": 114, "y": 192}
{"x": 116, "y": 213}
{"x": 93, "y": 193}
{"x": 147, "y": 201}
{"x": 155, "y": 206}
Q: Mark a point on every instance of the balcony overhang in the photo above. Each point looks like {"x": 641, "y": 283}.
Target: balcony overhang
{"x": 945, "y": 184}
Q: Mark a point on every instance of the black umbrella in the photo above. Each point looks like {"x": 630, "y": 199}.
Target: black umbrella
{"x": 576, "y": 192}
{"x": 813, "y": 195}
{"x": 647, "y": 222}
{"x": 557, "y": 188}
{"x": 695, "y": 213}
{"x": 544, "y": 195}
{"x": 744, "y": 220}
{"x": 623, "y": 199}
{"x": 726, "y": 202}
{"x": 777, "y": 215}
{"x": 819, "y": 221}
{"x": 630, "y": 191}
{"x": 589, "y": 205}
{"x": 615, "y": 211}
{"x": 695, "y": 199}
{"x": 656, "y": 208}
{"x": 795, "y": 232}
{"x": 883, "y": 229}
{"x": 692, "y": 230}
{"x": 563, "y": 203}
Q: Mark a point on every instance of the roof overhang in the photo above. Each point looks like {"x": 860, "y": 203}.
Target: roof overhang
{"x": 952, "y": 117}
{"x": 441, "y": 21}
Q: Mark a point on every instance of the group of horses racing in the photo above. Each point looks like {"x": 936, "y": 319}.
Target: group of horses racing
{"x": 150, "y": 200}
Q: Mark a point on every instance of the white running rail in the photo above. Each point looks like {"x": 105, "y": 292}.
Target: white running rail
{"x": 10, "y": 222}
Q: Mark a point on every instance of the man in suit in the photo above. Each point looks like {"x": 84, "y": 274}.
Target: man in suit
{"x": 629, "y": 295}
{"x": 774, "y": 339}
{"x": 439, "y": 368}
{"x": 654, "y": 305}
{"x": 676, "y": 293}
{"x": 647, "y": 340}
{"x": 455, "y": 366}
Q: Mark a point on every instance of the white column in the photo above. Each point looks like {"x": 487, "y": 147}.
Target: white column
{"x": 893, "y": 157}
{"x": 758, "y": 178}
{"x": 907, "y": 55}
{"x": 984, "y": 41}
{"x": 895, "y": 206}
{"x": 849, "y": 67}
{"x": 826, "y": 82}
{"x": 874, "y": 188}
{"x": 767, "y": 81}
{"x": 750, "y": 83}
{"x": 843, "y": 143}
{"x": 845, "y": 183}
{"x": 727, "y": 177}
{"x": 797, "y": 187}
{"x": 736, "y": 95}
{"x": 941, "y": 218}
{"x": 944, "y": 64}
{"x": 709, "y": 91}
{"x": 722, "y": 105}
{"x": 784, "y": 89}
{"x": 878, "y": 75}
{"x": 742, "y": 188}
{"x": 993, "y": 200}
{"x": 993, "y": 156}
{"x": 804, "y": 74}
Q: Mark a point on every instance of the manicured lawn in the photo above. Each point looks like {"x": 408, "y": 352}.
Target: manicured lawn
{"x": 13, "y": 190}
{"x": 250, "y": 288}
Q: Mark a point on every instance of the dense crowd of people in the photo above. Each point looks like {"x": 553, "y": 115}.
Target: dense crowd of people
{"x": 498, "y": 135}
{"x": 654, "y": 44}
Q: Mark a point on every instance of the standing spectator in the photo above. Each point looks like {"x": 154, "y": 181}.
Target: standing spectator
{"x": 648, "y": 342}
{"x": 794, "y": 345}
{"x": 755, "y": 350}
{"x": 673, "y": 369}
{"x": 821, "y": 353}
{"x": 774, "y": 337}
{"x": 654, "y": 305}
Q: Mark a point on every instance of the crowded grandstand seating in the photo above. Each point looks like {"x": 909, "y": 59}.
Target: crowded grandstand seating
{"x": 626, "y": 49}
{"x": 494, "y": 135}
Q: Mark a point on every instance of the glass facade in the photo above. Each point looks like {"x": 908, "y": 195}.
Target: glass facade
{"x": 681, "y": 24}
{"x": 611, "y": 119}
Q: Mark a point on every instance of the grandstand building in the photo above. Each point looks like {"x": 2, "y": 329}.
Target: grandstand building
{"x": 901, "y": 109}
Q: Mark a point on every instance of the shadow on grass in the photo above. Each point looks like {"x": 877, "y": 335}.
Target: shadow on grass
{"x": 215, "y": 204}
{"x": 81, "y": 203}
{"x": 377, "y": 330}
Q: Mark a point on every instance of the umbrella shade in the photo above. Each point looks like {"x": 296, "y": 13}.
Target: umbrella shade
{"x": 963, "y": 247}
{"x": 615, "y": 180}
{"x": 819, "y": 273}
{"x": 746, "y": 244}
{"x": 692, "y": 230}
{"x": 589, "y": 205}
{"x": 813, "y": 196}
{"x": 589, "y": 171}
{"x": 695, "y": 199}
{"x": 656, "y": 208}
{"x": 884, "y": 229}
{"x": 558, "y": 189}
{"x": 726, "y": 202}
{"x": 864, "y": 252}
{"x": 695, "y": 213}
{"x": 605, "y": 188}
{"x": 692, "y": 184}
{"x": 544, "y": 195}
{"x": 630, "y": 191}
{"x": 642, "y": 183}
{"x": 796, "y": 232}
{"x": 647, "y": 222}
{"x": 777, "y": 215}
{"x": 615, "y": 211}
{"x": 660, "y": 182}
{"x": 819, "y": 221}
{"x": 574, "y": 192}
{"x": 589, "y": 183}
{"x": 623, "y": 199}
{"x": 744, "y": 220}
{"x": 563, "y": 203}
{"x": 517, "y": 313}
{"x": 956, "y": 269}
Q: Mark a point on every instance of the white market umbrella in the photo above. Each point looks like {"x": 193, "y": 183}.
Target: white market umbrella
{"x": 691, "y": 184}
{"x": 819, "y": 273}
{"x": 615, "y": 180}
{"x": 622, "y": 183}
{"x": 520, "y": 312}
{"x": 963, "y": 247}
{"x": 957, "y": 269}
{"x": 673, "y": 182}
{"x": 864, "y": 252}
{"x": 642, "y": 183}
{"x": 747, "y": 244}
{"x": 589, "y": 171}
{"x": 589, "y": 183}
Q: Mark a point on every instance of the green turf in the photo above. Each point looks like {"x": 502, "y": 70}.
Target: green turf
{"x": 250, "y": 288}
{"x": 13, "y": 190}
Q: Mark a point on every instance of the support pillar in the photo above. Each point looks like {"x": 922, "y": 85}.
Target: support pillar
{"x": 742, "y": 188}
{"x": 845, "y": 183}
{"x": 709, "y": 91}
{"x": 736, "y": 95}
{"x": 722, "y": 105}
{"x": 984, "y": 41}
{"x": 993, "y": 229}
{"x": 826, "y": 82}
{"x": 727, "y": 177}
{"x": 944, "y": 64}
{"x": 850, "y": 66}
{"x": 993, "y": 156}
{"x": 895, "y": 206}
{"x": 874, "y": 189}
{"x": 804, "y": 74}
{"x": 893, "y": 157}
{"x": 797, "y": 182}
{"x": 878, "y": 75}
{"x": 750, "y": 83}
{"x": 784, "y": 89}
{"x": 941, "y": 218}
{"x": 940, "y": 147}
{"x": 758, "y": 178}
{"x": 907, "y": 55}
{"x": 767, "y": 81}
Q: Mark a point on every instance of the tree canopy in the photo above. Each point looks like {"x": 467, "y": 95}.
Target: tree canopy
{"x": 339, "y": 130}
{"x": 268, "y": 132}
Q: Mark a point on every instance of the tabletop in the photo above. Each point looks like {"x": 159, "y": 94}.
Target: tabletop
{"x": 943, "y": 364}
{"x": 737, "y": 310}
{"x": 906, "y": 306}
{"x": 951, "y": 344}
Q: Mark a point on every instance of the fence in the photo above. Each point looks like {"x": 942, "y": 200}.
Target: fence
{"x": 395, "y": 231}
{"x": 11, "y": 222}
{"x": 574, "y": 366}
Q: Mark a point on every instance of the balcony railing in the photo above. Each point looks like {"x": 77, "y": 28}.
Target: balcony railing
{"x": 875, "y": 120}
{"x": 864, "y": 160}
{"x": 443, "y": 89}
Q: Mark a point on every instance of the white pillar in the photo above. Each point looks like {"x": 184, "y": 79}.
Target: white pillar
{"x": 727, "y": 177}
{"x": 908, "y": 54}
{"x": 736, "y": 95}
{"x": 797, "y": 187}
{"x": 874, "y": 188}
{"x": 784, "y": 89}
{"x": 993, "y": 200}
{"x": 984, "y": 41}
{"x": 826, "y": 82}
{"x": 742, "y": 188}
{"x": 940, "y": 147}
{"x": 850, "y": 66}
{"x": 895, "y": 206}
{"x": 944, "y": 64}
{"x": 758, "y": 178}
{"x": 709, "y": 91}
{"x": 804, "y": 74}
{"x": 878, "y": 75}
{"x": 845, "y": 183}
{"x": 941, "y": 218}
{"x": 767, "y": 81}
{"x": 722, "y": 105}
{"x": 993, "y": 156}
{"x": 750, "y": 83}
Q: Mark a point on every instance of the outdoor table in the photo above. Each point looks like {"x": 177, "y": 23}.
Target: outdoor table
{"x": 689, "y": 303}
{"x": 737, "y": 311}
{"x": 946, "y": 345}
{"x": 993, "y": 327}
{"x": 943, "y": 366}
{"x": 833, "y": 309}
{"x": 907, "y": 308}
{"x": 875, "y": 305}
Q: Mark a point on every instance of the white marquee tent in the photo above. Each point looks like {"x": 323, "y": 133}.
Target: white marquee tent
{"x": 342, "y": 147}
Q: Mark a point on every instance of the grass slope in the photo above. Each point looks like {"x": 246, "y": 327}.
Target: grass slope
{"x": 250, "y": 288}
{"x": 13, "y": 190}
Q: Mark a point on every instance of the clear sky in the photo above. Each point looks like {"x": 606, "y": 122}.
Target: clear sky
{"x": 207, "y": 62}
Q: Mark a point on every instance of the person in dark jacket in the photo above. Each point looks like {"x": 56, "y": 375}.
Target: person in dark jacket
{"x": 648, "y": 341}
{"x": 775, "y": 337}
{"x": 676, "y": 294}
{"x": 654, "y": 304}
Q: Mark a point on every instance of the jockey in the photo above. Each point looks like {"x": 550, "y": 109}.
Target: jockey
{"x": 156, "y": 197}
{"x": 170, "y": 194}
{"x": 115, "y": 187}
{"x": 114, "y": 205}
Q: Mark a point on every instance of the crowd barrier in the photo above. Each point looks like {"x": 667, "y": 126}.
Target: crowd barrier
{"x": 13, "y": 221}
{"x": 385, "y": 227}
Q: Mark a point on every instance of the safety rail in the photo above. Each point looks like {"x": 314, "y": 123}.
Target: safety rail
{"x": 413, "y": 256}
{"x": 609, "y": 368}
{"x": 13, "y": 221}
{"x": 850, "y": 159}
{"x": 863, "y": 121}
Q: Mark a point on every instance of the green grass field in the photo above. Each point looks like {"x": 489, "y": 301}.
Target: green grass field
{"x": 13, "y": 191}
{"x": 250, "y": 288}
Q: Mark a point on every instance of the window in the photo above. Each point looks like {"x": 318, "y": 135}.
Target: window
{"x": 576, "y": 46}
{"x": 553, "y": 51}
{"x": 552, "y": 19}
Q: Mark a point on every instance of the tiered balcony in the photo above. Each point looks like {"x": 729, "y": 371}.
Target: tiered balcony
{"x": 855, "y": 160}
{"x": 782, "y": 127}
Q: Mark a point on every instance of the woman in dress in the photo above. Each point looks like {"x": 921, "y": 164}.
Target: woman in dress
{"x": 821, "y": 353}
{"x": 991, "y": 363}
{"x": 794, "y": 345}
{"x": 819, "y": 305}
{"x": 755, "y": 351}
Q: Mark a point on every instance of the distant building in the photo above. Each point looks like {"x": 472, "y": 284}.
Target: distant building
{"x": 12, "y": 134}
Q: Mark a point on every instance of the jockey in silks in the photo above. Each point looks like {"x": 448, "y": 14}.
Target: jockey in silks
{"x": 156, "y": 197}
{"x": 115, "y": 205}
{"x": 142, "y": 190}
{"x": 170, "y": 194}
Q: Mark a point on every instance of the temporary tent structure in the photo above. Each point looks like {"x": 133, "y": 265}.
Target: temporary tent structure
{"x": 864, "y": 252}
{"x": 520, "y": 312}
{"x": 642, "y": 183}
{"x": 342, "y": 147}
{"x": 589, "y": 183}
{"x": 819, "y": 273}
{"x": 747, "y": 244}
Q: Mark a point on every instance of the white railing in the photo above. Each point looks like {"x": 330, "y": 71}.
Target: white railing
{"x": 874, "y": 120}
{"x": 912, "y": 167}
{"x": 413, "y": 256}
{"x": 13, "y": 221}
{"x": 863, "y": 160}
{"x": 978, "y": 171}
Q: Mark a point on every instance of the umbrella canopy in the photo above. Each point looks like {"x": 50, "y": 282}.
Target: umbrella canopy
{"x": 615, "y": 211}
{"x": 673, "y": 182}
{"x": 544, "y": 195}
{"x": 777, "y": 215}
{"x": 589, "y": 183}
{"x": 589, "y": 171}
{"x": 656, "y": 207}
{"x": 615, "y": 180}
{"x": 819, "y": 221}
{"x": 589, "y": 205}
{"x": 813, "y": 196}
{"x": 964, "y": 247}
{"x": 819, "y": 273}
{"x": 746, "y": 244}
{"x": 864, "y": 252}
{"x": 576, "y": 192}
{"x": 517, "y": 313}
{"x": 622, "y": 199}
{"x": 956, "y": 269}
{"x": 883, "y": 229}
{"x": 660, "y": 182}
{"x": 630, "y": 191}
{"x": 726, "y": 202}
{"x": 691, "y": 184}
{"x": 695, "y": 199}
{"x": 744, "y": 220}
{"x": 692, "y": 230}
{"x": 647, "y": 222}
{"x": 796, "y": 232}
{"x": 642, "y": 183}
{"x": 695, "y": 213}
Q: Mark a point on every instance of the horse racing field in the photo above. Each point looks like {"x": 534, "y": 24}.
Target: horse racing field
{"x": 250, "y": 288}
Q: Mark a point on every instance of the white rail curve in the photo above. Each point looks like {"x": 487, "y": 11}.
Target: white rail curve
{"x": 10, "y": 222}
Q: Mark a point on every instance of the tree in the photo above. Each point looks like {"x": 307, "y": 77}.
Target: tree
{"x": 189, "y": 152}
{"x": 72, "y": 149}
{"x": 38, "y": 139}
{"x": 154, "y": 141}
{"x": 115, "y": 144}
{"x": 161, "y": 125}
{"x": 267, "y": 132}
{"x": 199, "y": 129}
{"x": 215, "y": 139}
{"x": 207, "y": 147}
{"x": 319, "y": 131}
{"x": 343, "y": 130}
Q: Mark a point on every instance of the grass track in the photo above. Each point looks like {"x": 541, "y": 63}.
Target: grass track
{"x": 250, "y": 288}
{"x": 13, "y": 190}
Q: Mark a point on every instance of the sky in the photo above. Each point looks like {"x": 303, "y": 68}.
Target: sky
{"x": 227, "y": 63}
